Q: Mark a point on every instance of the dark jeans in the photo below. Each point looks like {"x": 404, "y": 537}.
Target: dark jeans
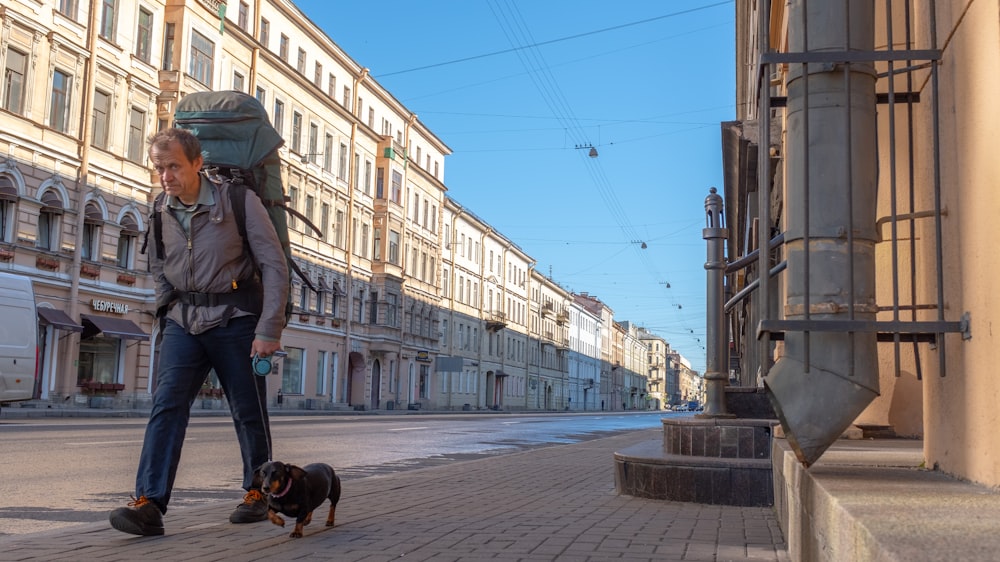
{"x": 185, "y": 361}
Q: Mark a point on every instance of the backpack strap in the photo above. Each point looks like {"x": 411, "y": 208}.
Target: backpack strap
{"x": 156, "y": 218}
{"x": 238, "y": 201}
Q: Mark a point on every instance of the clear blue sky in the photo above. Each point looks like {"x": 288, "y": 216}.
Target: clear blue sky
{"x": 647, "y": 83}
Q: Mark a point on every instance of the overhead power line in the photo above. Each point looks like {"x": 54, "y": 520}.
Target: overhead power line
{"x": 557, "y": 40}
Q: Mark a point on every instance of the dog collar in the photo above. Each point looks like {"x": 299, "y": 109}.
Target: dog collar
{"x": 285, "y": 491}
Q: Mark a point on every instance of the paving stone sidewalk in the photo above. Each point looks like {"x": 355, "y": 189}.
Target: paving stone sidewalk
{"x": 551, "y": 503}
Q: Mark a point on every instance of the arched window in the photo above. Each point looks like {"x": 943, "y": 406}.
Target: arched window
{"x": 49, "y": 219}
{"x": 126, "y": 242}
{"x": 92, "y": 222}
{"x": 8, "y": 209}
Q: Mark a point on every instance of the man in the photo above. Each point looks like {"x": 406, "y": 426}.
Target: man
{"x": 222, "y": 307}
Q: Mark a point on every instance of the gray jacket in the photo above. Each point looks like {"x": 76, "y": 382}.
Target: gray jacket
{"x": 213, "y": 260}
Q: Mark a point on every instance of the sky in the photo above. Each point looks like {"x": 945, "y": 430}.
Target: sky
{"x": 520, "y": 90}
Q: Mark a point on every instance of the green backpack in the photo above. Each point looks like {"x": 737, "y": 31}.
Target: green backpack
{"x": 239, "y": 144}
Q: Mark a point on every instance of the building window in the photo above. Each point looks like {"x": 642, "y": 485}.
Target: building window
{"x": 338, "y": 235}
{"x": 202, "y": 57}
{"x": 342, "y": 162}
{"x": 91, "y": 247}
{"x": 328, "y": 152}
{"x": 238, "y": 81}
{"x": 144, "y": 35}
{"x": 291, "y": 370}
{"x": 318, "y": 75}
{"x": 261, "y": 95}
{"x": 367, "y": 179}
{"x": 313, "y": 142}
{"x": 59, "y": 109}
{"x": 390, "y": 310}
{"x": 243, "y": 17}
{"x": 8, "y": 208}
{"x": 373, "y": 305}
{"x": 321, "y": 373}
{"x": 324, "y": 218}
{"x": 126, "y": 243}
{"x": 101, "y": 119}
{"x": 393, "y": 247}
{"x": 296, "y": 132}
{"x": 98, "y": 361}
{"x": 265, "y": 32}
{"x": 48, "y": 221}
{"x": 301, "y": 63}
{"x": 293, "y": 203}
{"x": 283, "y": 47}
{"x": 397, "y": 186}
{"x": 377, "y": 245}
{"x": 356, "y": 167}
{"x": 136, "y": 135}
{"x": 310, "y": 208}
{"x": 371, "y": 117}
{"x": 108, "y": 19}
{"x": 14, "y": 81}
{"x": 279, "y": 116}
{"x": 347, "y": 98}
{"x": 67, "y": 8}
{"x": 331, "y": 85}
{"x": 168, "y": 46}
{"x": 364, "y": 241}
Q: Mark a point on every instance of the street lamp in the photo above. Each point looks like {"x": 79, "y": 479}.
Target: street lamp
{"x": 593, "y": 151}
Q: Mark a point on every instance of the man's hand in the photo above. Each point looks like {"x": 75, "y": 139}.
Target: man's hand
{"x": 263, "y": 348}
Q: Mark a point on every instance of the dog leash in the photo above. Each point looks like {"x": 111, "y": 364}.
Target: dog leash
{"x": 261, "y": 406}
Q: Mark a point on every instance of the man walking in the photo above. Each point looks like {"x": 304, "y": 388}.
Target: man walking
{"x": 222, "y": 306}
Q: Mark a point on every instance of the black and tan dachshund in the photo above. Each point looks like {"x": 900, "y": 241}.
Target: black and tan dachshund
{"x": 296, "y": 492}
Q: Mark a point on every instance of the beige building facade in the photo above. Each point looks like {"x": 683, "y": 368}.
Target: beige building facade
{"x": 398, "y": 275}
{"x": 907, "y": 109}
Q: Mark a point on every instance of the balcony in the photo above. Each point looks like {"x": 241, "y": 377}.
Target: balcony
{"x": 496, "y": 322}
{"x": 548, "y": 309}
{"x": 562, "y": 317}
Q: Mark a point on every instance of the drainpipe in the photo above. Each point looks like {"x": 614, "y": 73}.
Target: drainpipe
{"x": 81, "y": 181}
{"x": 349, "y": 243}
{"x": 826, "y": 378}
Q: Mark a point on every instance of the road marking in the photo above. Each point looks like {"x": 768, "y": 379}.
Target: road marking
{"x": 407, "y": 428}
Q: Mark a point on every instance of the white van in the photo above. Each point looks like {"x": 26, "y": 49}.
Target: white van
{"x": 18, "y": 338}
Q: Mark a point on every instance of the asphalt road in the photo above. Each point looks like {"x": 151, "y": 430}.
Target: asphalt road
{"x": 65, "y": 471}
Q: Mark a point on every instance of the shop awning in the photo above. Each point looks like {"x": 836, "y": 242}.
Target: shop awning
{"x": 111, "y": 327}
{"x": 58, "y": 319}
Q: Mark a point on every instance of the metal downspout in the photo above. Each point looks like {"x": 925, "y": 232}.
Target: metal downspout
{"x": 349, "y": 244}
{"x": 86, "y": 135}
{"x": 826, "y": 378}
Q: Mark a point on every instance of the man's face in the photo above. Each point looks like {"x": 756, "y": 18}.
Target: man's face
{"x": 178, "y": 175}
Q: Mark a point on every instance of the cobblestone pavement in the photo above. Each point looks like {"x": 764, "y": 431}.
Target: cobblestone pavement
{"x": 551, "y": 503}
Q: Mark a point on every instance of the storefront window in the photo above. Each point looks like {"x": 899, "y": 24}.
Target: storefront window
{"x": 99, "y": 360}
{"x": 291, "y": 371}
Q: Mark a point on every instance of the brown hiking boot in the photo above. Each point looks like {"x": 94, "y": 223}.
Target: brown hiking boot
{"x": 252, "y": 510}
{"x": 141, "y": 517}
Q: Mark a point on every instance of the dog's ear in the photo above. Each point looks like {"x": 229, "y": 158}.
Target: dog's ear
{"x": 295, "y": 472}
